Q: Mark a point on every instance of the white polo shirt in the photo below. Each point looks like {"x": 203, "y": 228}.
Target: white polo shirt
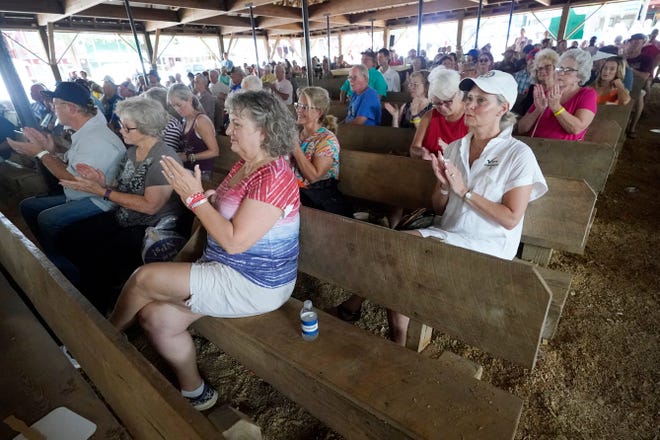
{"x": 505, "y": 163}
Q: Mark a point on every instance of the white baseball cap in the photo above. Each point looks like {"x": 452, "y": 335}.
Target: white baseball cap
{"x": 494, "y": 82}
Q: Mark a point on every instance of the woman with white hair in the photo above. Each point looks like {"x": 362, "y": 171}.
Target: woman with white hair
{"x": 444, "y": 124}
{"x": 566, "y": 109}
{"x": 252, "y": 82}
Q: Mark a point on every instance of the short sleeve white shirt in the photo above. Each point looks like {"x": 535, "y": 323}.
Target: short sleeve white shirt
{"x": 285, "y": 86}
{"x": 392, "y": 79}
{"x": 218, "y": 89}
{"x": 506, "y": 163}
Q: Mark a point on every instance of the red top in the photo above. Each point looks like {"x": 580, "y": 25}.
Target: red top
{"x": 440, "y": 128}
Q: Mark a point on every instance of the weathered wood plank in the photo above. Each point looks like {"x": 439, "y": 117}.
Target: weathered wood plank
{"x": 376, "y": 139}
{"x": 500, "y": 307}
{"x": 37, "y": 377}
{"x": 146, "y": 403}
{"x": 362, "y": 386}
{"x": 575, "y": 160}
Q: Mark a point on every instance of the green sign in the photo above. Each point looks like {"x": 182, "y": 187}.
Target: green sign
{"x": 574, "y": 21}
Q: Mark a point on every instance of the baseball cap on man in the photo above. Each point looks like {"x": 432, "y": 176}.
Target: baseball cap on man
{"x": 70, "y": 92}
{"x": 638, "y": 37}
{"x": 494, "y": 82}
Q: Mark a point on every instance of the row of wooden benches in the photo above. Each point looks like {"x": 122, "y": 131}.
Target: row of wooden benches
{"x": 359, "y": 384}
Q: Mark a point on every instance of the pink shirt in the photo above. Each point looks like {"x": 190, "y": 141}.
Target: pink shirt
{"x": 548, "y": 126}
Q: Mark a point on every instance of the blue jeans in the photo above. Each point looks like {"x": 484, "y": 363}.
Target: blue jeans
{"x": 48, "y": 216}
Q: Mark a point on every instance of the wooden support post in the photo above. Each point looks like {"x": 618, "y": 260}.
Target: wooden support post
{"x": 536, "y": 254}
{"x": 418, "y": 336}
{"x": 154, "y": 52}
{"x": 151, "y": 54}
{"x": 46, "y": 34}
{"x": 459, "y": 36}
{"x": 15, "y": 87}
{"x": 266, "y": 47}
{"x": 221, "y": 42}
{"x": 563, "y": 21}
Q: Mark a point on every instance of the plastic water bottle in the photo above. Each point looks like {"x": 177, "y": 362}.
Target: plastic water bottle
{"x": 309, "y": 322}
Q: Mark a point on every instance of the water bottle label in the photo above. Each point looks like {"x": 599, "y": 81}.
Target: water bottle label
{"x": 310, "y": 328}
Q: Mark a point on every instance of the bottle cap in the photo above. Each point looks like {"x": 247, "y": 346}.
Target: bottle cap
{"x": 307, "y": 304}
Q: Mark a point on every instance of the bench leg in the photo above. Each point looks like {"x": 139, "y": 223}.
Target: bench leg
{"x": 234, "y": 424}
{"x": 536, "y": 254}
{"x": 418, "y": 336}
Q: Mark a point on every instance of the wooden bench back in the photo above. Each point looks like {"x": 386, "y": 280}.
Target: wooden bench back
{"x": 590, "y": 161}
{"x": 376, "y": 139}
{"x": 616, "y": 113}
{"x": 145, "y": 402}
{"x": 603, "y": 131}
{"x": 561, "y": 219}
{"x": 494, "y": 304}
{"x": 332, "y": 85}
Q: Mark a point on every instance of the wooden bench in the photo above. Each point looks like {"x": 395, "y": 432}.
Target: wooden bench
{"x": 143, "y": 400}
{"x": 364, "y": 386}
{"x": 619, "y": 114}
{"x": 37, "y": 377}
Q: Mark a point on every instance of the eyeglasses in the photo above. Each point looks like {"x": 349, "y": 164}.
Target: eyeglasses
{"x": 565, "y": 70}
{"x": 413, "y": 84}
{"x": 547, "y": 68}
{"x": 123, "y": 127}
{"x": 484, "y": 60}
{"x": 447, "y": 103}
{"x": 352, "y": 77}
{"x": 299, "y": 106}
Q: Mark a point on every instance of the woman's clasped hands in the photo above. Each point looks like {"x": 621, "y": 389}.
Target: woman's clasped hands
{"x": 448, "y": 174}
{"x": 183, "y": 182}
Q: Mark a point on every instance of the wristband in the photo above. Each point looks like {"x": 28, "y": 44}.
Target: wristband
{"x": 560, "y": 111}
{"x": 191, "y": 158}
{"x": 444, "y": 193}
{"x": 106, "y": 196}
{"x": 194, "y": 198}
{"x": 41, "y": 154}
{"x": 198, "y": 203}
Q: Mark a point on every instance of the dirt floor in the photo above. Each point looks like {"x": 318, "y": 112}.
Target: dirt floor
{"x": 597, "y": 379}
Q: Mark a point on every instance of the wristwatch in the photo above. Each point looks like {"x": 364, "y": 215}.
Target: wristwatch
{"x": 467, "y": 195}
{"x": 41, "y": 154}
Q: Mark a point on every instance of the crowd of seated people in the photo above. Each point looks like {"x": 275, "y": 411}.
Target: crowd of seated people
{"x": 461, "y": 111}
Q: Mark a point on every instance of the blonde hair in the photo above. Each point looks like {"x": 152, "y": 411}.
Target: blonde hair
{"x": 620, "y": 69}
{"x": 318, "y": 97}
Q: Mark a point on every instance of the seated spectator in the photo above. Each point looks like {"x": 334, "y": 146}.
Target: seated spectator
{"x": 508, "y": 64}
{"x": 525, "y": 77}
{"x": 109, "y": 101}
{"x": 543, "y": 75}
{"x": 390, "y": 75}
{"x": 250, "y": 219}
{"x": 106, "y": 249}
{"x": 445, "y": 123}
{"x": 200, "y": 145}
{"x": 206, "y": 99}
{"x": 173, "y": 133}
{"x": 609, "y": 83}
{"x": 236, "y": 76}
{"x": 410, "y": 114}
{"x": 447, "y": 62}
{"x": 252, "y": 82}
{"x": 38, "y": 107}
{"x": 468, "y": 69}
{"x": 376, "y": 80}
{"x": 316, "y": 159}
{"x": 127, "y": 90}
{"x": 484, "y": 63}
{"x": 217, "y": 88}
{"x": 268, "y": 75}
{"x": 93, "y": 143}
{"x": 482, "y": 207}
{"x": 567, "y": 109}
{"x": 642, "y": 66}
{"x": 364, "y": 107}
{"x": 282, "y": 87}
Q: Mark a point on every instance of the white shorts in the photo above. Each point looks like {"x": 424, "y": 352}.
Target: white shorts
{"x": 220, "y": 291}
